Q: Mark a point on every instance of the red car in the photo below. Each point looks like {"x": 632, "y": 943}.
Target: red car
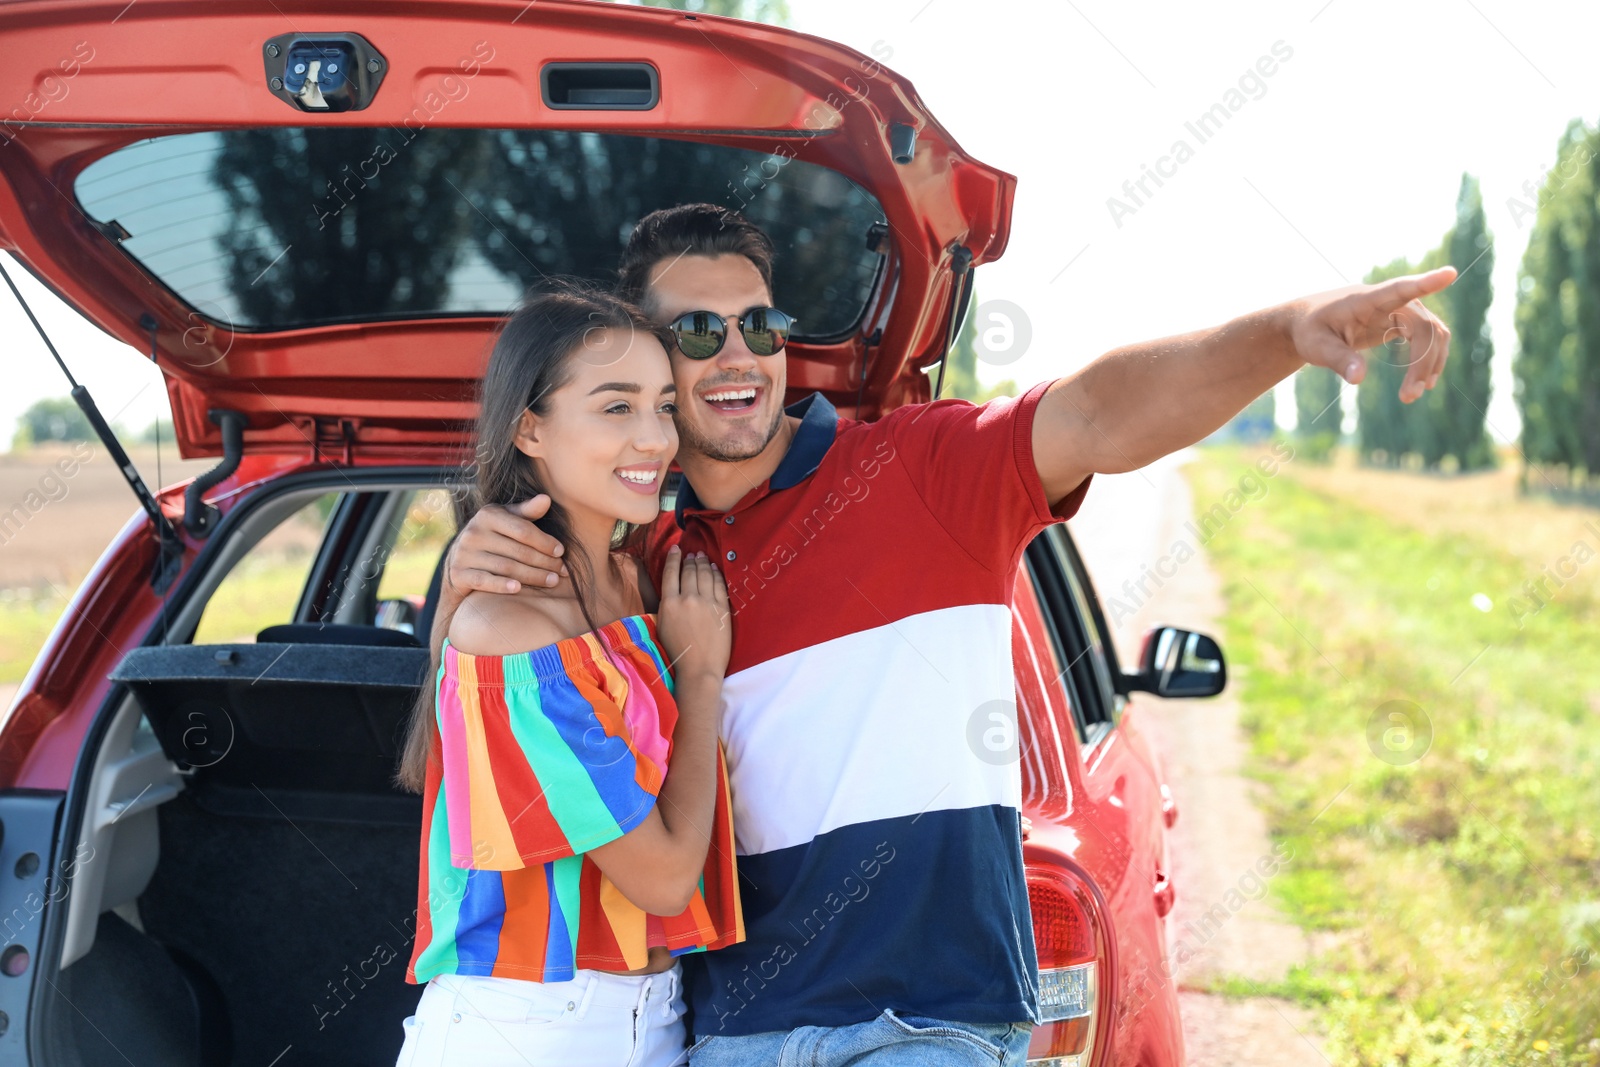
{"x": 312, "y": 216}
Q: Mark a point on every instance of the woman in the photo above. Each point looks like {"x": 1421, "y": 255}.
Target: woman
{"x": 554, "y": 889}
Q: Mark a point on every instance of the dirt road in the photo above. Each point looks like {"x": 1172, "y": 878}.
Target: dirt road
{"x": 1130, "y": 522}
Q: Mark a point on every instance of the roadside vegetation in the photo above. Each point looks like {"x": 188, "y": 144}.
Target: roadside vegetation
{"x": 1422, "y": 703}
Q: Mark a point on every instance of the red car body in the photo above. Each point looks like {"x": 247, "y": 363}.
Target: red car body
{"x": 81, "y": 80}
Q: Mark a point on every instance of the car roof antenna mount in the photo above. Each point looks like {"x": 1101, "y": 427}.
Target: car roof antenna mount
{"x": 170, "y": 558}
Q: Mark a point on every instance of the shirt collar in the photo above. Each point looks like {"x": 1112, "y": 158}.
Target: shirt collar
{"x": 812, "y": 438}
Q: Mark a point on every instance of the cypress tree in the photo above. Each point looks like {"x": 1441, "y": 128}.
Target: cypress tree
{"x": 1457, "y": 408}
{"x": 1555, "y": 366}
{"x": 1383, "y": 433}
{"x": 1318, "y": 413}
{"x": 1448, "y": 421}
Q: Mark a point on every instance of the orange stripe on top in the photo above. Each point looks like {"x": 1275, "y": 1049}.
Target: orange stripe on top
{"x": 583, "y": 671}
{"x": 491, "y": 830}
{"x": 526, "y": 925}
{"x": 627, "y": 923}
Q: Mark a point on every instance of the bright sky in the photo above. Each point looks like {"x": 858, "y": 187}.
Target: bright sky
{"x": 1347, "y": 156}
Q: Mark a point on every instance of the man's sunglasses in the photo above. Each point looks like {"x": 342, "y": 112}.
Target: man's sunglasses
{"x": 701, "y": 334}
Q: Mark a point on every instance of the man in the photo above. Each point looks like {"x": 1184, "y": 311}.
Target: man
{"x": 871, "y": 568}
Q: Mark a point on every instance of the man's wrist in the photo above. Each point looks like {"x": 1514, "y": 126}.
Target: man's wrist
{"x": 1284, "y": 319}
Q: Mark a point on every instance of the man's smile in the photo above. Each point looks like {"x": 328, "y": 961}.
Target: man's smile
{"x": 734, "y": 399}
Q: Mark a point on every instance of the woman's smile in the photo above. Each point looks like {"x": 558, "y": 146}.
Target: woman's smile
{"x": 642, "y": 478}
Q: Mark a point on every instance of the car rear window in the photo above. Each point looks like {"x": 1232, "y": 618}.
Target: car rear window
{"x": 271, "y": 229}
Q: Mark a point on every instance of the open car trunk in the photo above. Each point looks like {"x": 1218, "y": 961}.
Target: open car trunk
{"x": 328, "y": 266}
{"x": 333, "y": 272}
{"x": 258, "y": 933}
{"x": 247, "y": 876}
{"x": 281, "y": 910}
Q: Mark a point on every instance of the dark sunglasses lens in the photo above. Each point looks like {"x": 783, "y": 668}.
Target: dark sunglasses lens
{"x": 766, "y": 331}
{"x": 700, "y": 334}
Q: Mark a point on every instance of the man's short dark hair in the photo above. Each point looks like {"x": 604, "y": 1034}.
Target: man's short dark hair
{"x": 689, "y": 229}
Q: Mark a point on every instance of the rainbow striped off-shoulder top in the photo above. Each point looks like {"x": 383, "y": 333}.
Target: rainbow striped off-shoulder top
{"x": 539, "y": 757}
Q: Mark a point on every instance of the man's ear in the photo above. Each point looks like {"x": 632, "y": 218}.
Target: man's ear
{"x": 527, "y": 437}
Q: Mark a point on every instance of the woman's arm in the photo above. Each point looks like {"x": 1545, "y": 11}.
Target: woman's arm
{"x": 657, "y": 865}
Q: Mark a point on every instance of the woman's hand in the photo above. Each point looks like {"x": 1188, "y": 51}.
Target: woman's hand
{"x": 659, "y": 863}
{"x": 695, "y": 623}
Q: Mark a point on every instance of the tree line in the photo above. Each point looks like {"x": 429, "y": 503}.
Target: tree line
{"x": 1445, "y": 428}
{"x": 1556, "y": 367}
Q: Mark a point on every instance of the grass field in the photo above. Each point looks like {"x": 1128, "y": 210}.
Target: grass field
{"x": 1417, "y": 659}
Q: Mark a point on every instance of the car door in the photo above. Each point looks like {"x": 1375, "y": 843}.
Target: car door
{"x": 1118, "y": 809}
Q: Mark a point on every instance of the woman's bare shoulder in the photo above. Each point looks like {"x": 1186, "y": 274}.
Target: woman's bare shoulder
{"x": 501, "y": 624}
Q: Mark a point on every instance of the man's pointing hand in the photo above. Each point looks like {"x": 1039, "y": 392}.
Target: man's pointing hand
{"x": 1332, "y": 329}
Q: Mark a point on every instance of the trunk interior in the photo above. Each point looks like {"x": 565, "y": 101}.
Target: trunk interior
{"x": 248, "y": 890}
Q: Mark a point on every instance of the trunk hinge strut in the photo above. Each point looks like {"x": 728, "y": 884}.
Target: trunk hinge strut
{"x": 170, "y": 557}
{"x": 960, "y": 296}
{"x": 200, "y": 518}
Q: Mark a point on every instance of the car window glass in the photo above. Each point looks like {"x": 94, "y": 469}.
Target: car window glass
{"x": 399, "y": 224}
{"x": 264, "y": 587}
{"x": 1097, "y": 644}
{"x": 1039, "y": 666}
{"x": 1073, "y": 635}
{"x": 426, "y": 524}
{"x": 1097, "y": 612}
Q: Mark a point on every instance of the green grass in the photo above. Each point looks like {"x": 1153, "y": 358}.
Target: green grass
{"x": 1454, "y": 893}
{"x": 260, "y": 591}
{"x": 24, "y": 626}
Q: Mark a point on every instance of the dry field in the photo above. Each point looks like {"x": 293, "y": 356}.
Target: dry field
{"x": 1559, "y": 542}
{"x": 54, "y": 524}
{"x": 60, "y": 505}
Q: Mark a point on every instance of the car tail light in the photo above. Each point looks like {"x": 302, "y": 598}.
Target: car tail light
{"x": 1070, "y": 943}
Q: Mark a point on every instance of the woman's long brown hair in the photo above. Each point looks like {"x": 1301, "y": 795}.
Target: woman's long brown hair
{"x": 531, "y": 359}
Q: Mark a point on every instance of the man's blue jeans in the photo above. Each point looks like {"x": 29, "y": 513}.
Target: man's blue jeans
{"x": 892, "y": 1039}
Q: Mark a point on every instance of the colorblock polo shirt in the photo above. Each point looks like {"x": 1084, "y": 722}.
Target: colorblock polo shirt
{"x": 879, "y": 852}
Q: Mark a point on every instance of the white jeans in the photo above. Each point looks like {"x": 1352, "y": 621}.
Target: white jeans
{"x": 598, "y": 1019}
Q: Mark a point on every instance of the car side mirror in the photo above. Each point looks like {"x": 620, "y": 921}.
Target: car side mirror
{"x": 1179, "y": 663}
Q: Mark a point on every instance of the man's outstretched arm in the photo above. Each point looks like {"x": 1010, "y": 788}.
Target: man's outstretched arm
{"x": 1140, "y": 402}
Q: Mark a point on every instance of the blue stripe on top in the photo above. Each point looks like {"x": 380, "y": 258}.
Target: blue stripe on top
{"x": 606, "y": 758}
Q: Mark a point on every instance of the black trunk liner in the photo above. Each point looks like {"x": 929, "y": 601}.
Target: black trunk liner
{"x": 307, "y": 927}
